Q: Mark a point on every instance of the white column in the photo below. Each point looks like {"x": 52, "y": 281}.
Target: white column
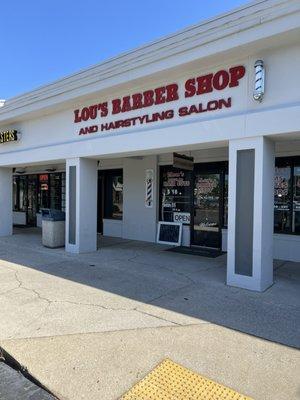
{"x": 139, "y": 221}
{"x": 251, "y": 213}
{"x": 81, "y": 205}
{"x": 6, "y": 214}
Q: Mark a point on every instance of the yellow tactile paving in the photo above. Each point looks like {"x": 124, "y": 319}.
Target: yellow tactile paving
{"x": 170, "y": 381}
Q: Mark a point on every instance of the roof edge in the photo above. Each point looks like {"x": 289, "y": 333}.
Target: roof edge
{"x": 156, "y": 50}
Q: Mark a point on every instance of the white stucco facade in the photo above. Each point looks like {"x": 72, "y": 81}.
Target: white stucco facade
{"x": 52, "y": 122}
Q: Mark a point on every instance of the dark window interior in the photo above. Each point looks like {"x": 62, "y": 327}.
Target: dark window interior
{"x": 287, "y": 195}
{"x": 110, "y": 191}
{"x": 31, "y": 193}
{"x": 175, "y": 192}
{"x": 286, "y": 192}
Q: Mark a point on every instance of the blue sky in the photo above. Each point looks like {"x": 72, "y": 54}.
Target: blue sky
{"x": 44, "y": 40}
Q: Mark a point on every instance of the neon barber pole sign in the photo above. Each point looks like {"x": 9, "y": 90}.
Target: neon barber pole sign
{"x": 111, "y": 115}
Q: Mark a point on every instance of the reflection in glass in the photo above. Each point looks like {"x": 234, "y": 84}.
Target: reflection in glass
{"x": 32, "y": 199}
{"x": 296, "y": 201}
{"x": 225, "y": 221}
{"x": 22, "y": 201}
{"x": 63, "y": 191}
{"x": 15, "y": 193}
{"x": 207, "y": 210}
{"x": 55, "y": 191}
{"x": 175, "y": 193}
{"x": 282, "y": 199}
{"x": 43, "y": 193}
{"x": 117, "y": 196}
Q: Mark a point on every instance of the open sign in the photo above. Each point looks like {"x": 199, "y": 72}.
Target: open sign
{"x": 181, "y": 217}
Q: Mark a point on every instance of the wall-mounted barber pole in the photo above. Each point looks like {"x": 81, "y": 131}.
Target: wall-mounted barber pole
{"x": 259, "y": 87}
{"x": 149, "y": 188}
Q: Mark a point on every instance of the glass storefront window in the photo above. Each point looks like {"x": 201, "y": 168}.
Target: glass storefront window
{"x": 282, "y": 199}
{"x": 113, "y": 193}
{"x": 176, "y": 196}
{"x": 55, "y": 191}
{"x": 33, "y": 192}
{"x": 117, "y": 196}
{"x": 225, "y": 219}
{"x": 43, "y": 196}
{"x": 15, "y": 193}
{"x": 296, "y": 200}
{"x": 23, "y": 199}
{"x": 63, "y": 191}
{"x": 175, "y": 193}
{"x": 20, "y": 193}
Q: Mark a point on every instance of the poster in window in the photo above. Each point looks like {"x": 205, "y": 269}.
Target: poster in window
{"x": 175, "y": 195}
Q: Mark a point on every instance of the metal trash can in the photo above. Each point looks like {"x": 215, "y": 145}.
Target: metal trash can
{"x": 53, "y": 227}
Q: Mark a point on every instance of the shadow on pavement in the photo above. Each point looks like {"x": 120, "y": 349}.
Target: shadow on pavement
{"x": 188, "y": 285}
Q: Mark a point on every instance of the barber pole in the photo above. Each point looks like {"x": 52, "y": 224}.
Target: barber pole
{"x": 259, "y": 87}
{"x": 149, "y": 188}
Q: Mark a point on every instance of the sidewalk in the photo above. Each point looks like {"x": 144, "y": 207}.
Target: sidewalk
{"x": 90, "y": 326}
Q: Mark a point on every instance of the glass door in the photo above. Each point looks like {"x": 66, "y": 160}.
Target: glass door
{"x": 296, "y": 201}
{"x": 282, "y": 199}
{"x": 206, "y": 227}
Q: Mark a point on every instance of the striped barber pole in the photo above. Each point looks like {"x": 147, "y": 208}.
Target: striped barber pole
{"x": 259, "y": 86}
{"x": 149, "y": 188}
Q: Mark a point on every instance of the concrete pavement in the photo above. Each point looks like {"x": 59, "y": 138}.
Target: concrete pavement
{"x": 90, "y": 326}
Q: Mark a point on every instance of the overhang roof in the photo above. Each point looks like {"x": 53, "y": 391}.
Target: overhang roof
{"x": 187, "y": 45}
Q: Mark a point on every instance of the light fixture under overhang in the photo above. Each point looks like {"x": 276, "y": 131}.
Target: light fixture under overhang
{"x": 50, "y": 169}
{"x": 20, "y": 171}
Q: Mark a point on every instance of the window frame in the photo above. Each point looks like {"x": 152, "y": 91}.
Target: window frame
{"x": 290, "y": 161}
{"x": 17, "y": 178}
{"x": 107, "y": 176}
{"x": 162, "y": 170}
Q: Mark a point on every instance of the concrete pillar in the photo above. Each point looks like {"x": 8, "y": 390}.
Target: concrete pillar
{"x": 251, "y": 213}
{"x": 6, "y": 214}
{"x": 81, "y": 205}
{"x": 139, "y": 220}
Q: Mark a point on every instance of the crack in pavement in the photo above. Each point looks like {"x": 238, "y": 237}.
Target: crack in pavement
{"x": 21, "y": 286}
{"x": 49, "y": 302}
{"x": 160, "y": 318}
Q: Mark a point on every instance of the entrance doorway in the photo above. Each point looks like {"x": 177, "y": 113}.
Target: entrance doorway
{"x": 208, "y": 205}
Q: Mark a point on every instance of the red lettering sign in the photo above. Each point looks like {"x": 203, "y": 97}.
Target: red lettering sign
{"x": 196, "y": 86}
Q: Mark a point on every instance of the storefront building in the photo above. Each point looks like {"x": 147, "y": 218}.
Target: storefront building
{"x": 201, "y": 128}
